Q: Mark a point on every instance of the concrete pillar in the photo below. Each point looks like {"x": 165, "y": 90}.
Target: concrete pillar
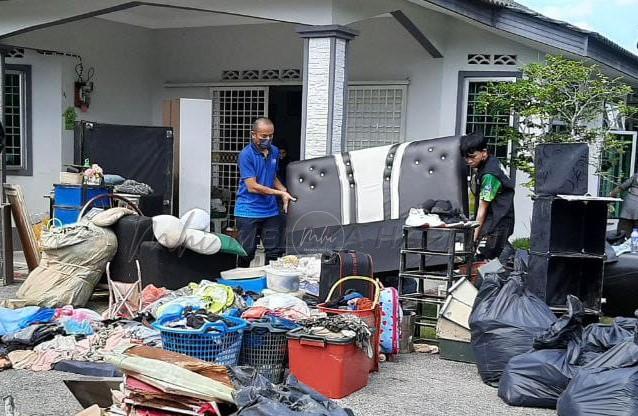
{"x": 325, "y": 89}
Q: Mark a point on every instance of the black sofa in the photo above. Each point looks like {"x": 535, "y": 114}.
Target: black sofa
{"x": 160, "y": 266}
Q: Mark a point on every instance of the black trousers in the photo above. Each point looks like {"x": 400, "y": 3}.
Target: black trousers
{"x": 269, "y": 230}
{"x": 496, "y": 240}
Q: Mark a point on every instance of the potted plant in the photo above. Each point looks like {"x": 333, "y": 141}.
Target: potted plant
{"x": 70, "y": 116}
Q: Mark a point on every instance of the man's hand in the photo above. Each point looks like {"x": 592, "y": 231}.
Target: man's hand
{"x": 285, "y": 199}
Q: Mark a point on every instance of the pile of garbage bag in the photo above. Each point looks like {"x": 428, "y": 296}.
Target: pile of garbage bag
{"x": 504, "y": 322}
{"x": 539, "y": 361}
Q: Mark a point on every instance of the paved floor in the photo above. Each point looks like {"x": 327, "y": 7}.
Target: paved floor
{"x": 418, "y": 384}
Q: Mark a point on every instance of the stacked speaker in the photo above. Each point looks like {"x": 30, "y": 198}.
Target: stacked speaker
{"x": 568, "y": 229}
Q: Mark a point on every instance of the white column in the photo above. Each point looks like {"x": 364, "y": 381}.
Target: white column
{"x": 325, "y": 89}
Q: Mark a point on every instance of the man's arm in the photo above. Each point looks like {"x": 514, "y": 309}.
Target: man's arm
{"x": 281, "y": 191}
{"x": 481, "y": 216}
{"x": 622, "y": 187}
{"x": 280, "y": 186}
{"x": 256, "y": 188}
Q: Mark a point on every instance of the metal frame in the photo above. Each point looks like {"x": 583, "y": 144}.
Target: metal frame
{"x": 465, "y": 101}
{"x": 220, "y": 169}
{"x": 26, "y": 154}
{"x": 422, "y": 274}
{"x": 353, "y": 88}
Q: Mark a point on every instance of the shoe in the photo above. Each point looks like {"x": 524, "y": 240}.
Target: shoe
{"x": 418, "y": 218}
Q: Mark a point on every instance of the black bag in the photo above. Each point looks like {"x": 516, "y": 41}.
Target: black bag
{"x": 338, "y": 264}
{"x": 600, "y": 338}
{"x": 608, "y": 385}
{"x": 537, "y": 378}
{"x": 504, "y": 322}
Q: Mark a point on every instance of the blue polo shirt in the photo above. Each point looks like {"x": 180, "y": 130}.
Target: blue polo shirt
{"x": 253, "y": 164}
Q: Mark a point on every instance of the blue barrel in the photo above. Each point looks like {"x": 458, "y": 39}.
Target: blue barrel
{"x": 66, "y": 215}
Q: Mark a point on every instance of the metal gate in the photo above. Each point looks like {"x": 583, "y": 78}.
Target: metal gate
{"x": 234, "y": 110}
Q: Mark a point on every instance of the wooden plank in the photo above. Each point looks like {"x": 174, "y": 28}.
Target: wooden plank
{"x": 21, "y": 217}
{"x": 416, "y": 33}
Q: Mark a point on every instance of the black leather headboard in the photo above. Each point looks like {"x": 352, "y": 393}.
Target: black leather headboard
{"x": 340, "y": 205}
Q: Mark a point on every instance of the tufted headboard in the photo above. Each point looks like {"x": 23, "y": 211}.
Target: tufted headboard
{"x": 359, "y": 200}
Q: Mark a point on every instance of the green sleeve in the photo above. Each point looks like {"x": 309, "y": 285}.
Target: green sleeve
{"x": 490, "y": 188}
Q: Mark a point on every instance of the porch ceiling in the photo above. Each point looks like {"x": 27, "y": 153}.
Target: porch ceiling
{"x": 20, "y": 16}
{"x": 152, "y": 17}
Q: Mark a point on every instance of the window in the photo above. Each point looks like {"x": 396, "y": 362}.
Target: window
{"x": 376, "y": 115}
{"x": 476, "y": 120}
{"x": 17, "y": 100}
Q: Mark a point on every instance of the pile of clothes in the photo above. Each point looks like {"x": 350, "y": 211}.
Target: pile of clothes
{"x": 341, "y": 327}
{"x": 38, "y": 339}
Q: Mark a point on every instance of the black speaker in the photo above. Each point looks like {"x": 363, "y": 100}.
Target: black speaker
{"x": 561, "y": 168}
{"x": 561, "y": 226}
{"x": 553, "y": 277}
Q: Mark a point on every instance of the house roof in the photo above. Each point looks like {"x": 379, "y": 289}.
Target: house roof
{"x": 510, "y": 4}
{"x": 514, "y": 18}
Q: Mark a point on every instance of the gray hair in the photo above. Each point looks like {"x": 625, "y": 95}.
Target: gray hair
{"x": 260, "y": 120}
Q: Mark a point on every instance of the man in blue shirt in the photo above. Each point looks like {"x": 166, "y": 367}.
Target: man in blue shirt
{"x": 257, "y": 208}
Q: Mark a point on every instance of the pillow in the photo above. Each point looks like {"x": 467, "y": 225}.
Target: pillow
{"x": 202, "y": 242}
{"x": 111, "y": 216}
{"x": 168, "y": 231}
{"x": 230, "y": 245}
{"x": 196, "y": 219}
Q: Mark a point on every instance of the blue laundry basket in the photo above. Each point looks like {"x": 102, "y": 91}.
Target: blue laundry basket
{"x": 215, "y": 342}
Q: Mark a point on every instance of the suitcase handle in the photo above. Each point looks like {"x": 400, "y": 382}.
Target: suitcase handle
{"x": 374, "y": 282}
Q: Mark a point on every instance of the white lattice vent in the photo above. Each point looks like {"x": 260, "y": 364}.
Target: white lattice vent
{"x": 479, "y": 59}
{"x": 505, "y": 60}
{"x": 286, "y": 74}
{"x": 15, "y": 53}
{"x": 487, "y": 59}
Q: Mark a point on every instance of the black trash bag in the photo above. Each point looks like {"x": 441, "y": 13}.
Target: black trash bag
{"x": 521, "y": 261}
{"x": 565, "y": 330}
{"x": 537, "y": 378}
{"x": 256, "y": 396}
{"x": 599, "y": 338}
{"x": 505, "y": 320}
{"x": 608, "y": 385}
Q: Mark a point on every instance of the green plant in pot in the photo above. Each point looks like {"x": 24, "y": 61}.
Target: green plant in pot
{"x": 70, "y": 116}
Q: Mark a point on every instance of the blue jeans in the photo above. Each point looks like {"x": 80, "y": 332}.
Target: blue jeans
{"x": 266, "y": 229}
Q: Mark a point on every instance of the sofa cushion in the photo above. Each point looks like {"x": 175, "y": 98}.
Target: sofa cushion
{"x": 111, "y": 216}
{"x": 168, "y": 231}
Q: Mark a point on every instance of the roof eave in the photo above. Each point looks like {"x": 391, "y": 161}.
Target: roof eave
{"x": 546, "y": 32}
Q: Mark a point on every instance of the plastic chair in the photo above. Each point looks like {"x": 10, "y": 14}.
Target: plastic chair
{"x": 125, "y": 299}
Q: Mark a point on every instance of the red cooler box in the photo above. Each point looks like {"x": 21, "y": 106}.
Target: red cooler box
{"x": 335, "y": 368}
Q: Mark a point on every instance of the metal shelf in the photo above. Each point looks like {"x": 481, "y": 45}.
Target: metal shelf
{"x": 434, "y": 253}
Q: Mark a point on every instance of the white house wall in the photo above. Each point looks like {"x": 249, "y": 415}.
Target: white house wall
{"x": 120, "y": 55}
{"x": 46, "y": 105}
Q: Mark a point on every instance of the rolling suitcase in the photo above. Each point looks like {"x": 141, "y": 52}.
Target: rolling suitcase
{"x": 339, "y": 264}
{"x": 391, "y": 315}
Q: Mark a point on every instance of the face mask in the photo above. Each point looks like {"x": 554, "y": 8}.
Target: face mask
{"x": 265, "y": 144}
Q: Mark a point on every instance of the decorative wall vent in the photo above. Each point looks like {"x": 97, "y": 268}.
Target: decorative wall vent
{"x": 479, "y": 59}
{"x": 262, "y": 75}
{"x": 15, "y": 53}
{"x": 505, "y": 60}
{"x": 487, "y": 59}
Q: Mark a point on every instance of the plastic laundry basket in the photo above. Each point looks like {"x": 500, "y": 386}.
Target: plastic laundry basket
{"x": 216, "y": 342}
{"x": 372, "y": 316}
{"x": 265, "y": 347}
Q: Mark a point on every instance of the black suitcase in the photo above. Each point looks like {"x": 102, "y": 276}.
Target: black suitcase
{"x": 338, "y": 264}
